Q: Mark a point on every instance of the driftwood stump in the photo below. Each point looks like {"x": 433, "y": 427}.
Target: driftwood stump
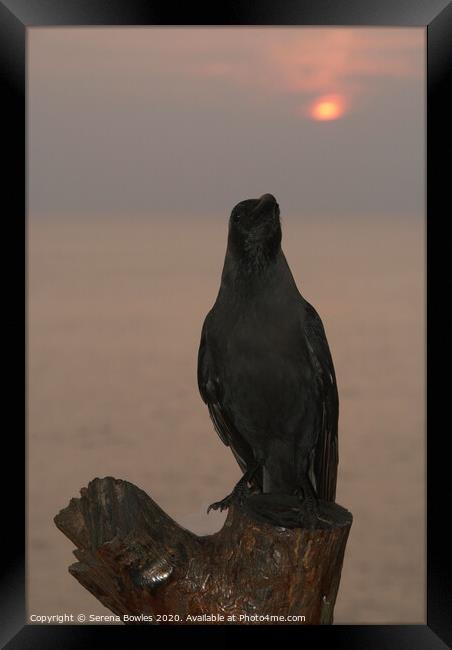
{"x": 137, "y": 561}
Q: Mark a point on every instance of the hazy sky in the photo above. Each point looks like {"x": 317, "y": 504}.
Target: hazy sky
{"x": 188, "y": 121}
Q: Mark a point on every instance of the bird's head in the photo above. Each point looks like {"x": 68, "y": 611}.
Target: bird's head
{"x": 255, "y": 230}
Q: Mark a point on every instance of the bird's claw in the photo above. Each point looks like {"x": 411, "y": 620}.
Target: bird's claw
{"x": 312, "y": 517}
{"x": 220, "y": 505}
{"x": 238, "y": 495}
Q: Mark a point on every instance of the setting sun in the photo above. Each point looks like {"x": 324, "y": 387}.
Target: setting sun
{"x": 327, "y": 108}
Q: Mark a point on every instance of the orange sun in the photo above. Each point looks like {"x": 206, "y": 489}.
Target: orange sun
{"x": 329, "y": 107}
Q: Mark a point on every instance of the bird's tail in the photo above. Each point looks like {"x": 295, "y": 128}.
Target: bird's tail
{"x": 288, "y": 511}
{"x": 277, "y": 509}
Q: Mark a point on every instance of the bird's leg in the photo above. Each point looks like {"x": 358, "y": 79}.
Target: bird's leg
{"x": 239, "y": 492}
{"x": 309, "y": 503}
{"x": 311, "y": 512}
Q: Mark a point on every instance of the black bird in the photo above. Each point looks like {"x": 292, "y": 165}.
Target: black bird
{"x": 266, "y": 374}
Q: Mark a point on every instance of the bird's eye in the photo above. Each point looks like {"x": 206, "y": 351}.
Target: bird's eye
{"x": 237, "y": 217}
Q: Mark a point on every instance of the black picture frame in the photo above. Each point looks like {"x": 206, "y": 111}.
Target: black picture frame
{"x": 18, "y": 15}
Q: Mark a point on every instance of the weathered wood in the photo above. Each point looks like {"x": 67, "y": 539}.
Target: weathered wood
{"x": 136, "y": 560}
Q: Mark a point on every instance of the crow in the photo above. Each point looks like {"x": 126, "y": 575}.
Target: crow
{"x": 266, "y": 374}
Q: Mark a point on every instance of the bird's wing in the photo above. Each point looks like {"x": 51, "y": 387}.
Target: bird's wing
{"x": 326, "y": 454}
{"x": 211, "y": 394}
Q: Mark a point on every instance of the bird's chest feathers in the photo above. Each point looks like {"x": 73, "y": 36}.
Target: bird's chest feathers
{"x": 261, "y": 369}
{"x": 260, "y": 330}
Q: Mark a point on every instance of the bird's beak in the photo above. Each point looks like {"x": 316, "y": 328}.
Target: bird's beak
{"x": 266, "y": 198}
{"x": 266, "y": 205}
